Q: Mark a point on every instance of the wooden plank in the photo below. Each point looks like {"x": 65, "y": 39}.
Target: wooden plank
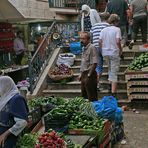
{"x": 139, "y": 82}
{"x": 136, "y": 76}
{"x": 37, "y": 127}
{"x": 138, "y": 96}
{"x": 139, "y": 89}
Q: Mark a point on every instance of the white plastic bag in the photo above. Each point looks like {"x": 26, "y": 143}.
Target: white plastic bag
{"x": 66, "y": 59}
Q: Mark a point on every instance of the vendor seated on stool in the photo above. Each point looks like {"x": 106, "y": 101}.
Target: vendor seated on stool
{"x": 19, "y": 47}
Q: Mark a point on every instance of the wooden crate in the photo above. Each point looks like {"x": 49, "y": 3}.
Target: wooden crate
{"x": 106, "y": 142}
{"x": 106, "y": 129}
{"x": 137, "y": 84}
{"x": 101, "y": 134}
{"x": 133, "y": 75}
{"x": 34, "y": 115}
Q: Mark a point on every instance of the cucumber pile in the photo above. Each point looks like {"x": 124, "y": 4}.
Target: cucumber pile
{"x": 81, "y": 121}
{"x": 139, "y": 62}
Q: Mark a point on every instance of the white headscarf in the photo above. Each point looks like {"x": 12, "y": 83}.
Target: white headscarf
{"x": 94, "y": 16}
{"x": 86, "y": 8}
{"x": 7, "y": 90}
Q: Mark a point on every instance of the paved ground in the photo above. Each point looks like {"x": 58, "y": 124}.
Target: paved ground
{"x": 136, "y": 129}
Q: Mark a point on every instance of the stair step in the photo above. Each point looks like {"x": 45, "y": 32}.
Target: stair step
{"x": 77, "y": 85}
{"x": 126, "y": 61}
{"x": 76, "y": 69}
{"x": 105, "y": 73}
{"x": 72, "y": 89}
{"x": 121, "y": 76}
{"x": 121, "y": 94}
{"x": 70, "y": 93}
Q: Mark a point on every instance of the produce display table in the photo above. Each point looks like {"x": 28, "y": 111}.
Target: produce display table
{"x": 84, "y": 140}
{"x": 137, "y": 84}
{"x": 17, "y": 73}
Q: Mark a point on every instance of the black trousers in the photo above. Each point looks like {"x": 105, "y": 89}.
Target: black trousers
{"x": 140, "y": 22}
{"x": 19, "y": 58}
{"x": 89, "y": 86}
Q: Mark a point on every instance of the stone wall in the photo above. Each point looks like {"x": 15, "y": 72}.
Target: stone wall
{"x": 33, "y": 9}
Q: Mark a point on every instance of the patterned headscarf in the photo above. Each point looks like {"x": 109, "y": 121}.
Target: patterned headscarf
{"x": 8, "y": 89}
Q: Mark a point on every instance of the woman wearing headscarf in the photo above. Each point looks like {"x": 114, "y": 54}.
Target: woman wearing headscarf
{"x": 89, "y": 18}
{"x": 13, "y": 113}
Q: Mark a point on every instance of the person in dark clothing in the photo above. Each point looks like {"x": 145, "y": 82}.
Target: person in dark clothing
{"x": 120, "y": 8}
{"x": 13, "y": 113}
{"x": 88, "y": 76}
{"x": 139, "y": 15}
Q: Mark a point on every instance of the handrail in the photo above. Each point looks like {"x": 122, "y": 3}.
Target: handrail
{"x": 40, "y": 59}
{"x": 71, "y": 3}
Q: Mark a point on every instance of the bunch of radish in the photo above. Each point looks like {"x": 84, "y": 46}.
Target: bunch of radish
{"x": 50, "y": 140}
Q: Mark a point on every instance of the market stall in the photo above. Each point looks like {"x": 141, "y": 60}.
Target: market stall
{"x": 137, "y": 78}
{"x": 6, "y": 45}
{"x": 73, "y": 120}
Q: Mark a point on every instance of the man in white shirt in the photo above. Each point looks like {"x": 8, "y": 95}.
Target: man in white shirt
{"x": 110, "y": 43}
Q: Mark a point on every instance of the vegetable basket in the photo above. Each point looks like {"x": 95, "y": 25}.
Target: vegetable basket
{"x": 35, "y": 115}
{"x": 60, "y": 77}
{"x": 57, "y": 125}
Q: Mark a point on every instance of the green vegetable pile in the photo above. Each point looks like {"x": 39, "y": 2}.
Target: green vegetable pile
{"x": 87, "y": 109}
{"x": 27, "y": 140}
{"x": 139, "y": 62}
{"x": 58, "y": 113}
{"x": 70, "y": 107}
{"x": 41, "y": 101}
{"x": 81, "y": 121}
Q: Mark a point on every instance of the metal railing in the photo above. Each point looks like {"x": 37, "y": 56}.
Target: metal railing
{"x": 40, "y": 59}
{"x": 71, "y": 3}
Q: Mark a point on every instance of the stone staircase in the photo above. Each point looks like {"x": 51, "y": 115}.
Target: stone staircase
{"x": 72, "y": 89}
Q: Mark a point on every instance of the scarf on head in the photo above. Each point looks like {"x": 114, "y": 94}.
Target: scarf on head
{"x": 8, "y": 89}
{"x": 94, "y": 16}
{"x": 87, "y": 9}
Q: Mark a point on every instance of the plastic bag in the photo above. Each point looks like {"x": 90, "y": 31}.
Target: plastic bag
{"x": 118, "y": 115}
{"x": 106, "y": 107}
{"x": 66, "y": 59}
{"x": 75, "y": 48}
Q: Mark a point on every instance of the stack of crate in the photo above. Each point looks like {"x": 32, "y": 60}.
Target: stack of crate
{"x": 137, "y": 84}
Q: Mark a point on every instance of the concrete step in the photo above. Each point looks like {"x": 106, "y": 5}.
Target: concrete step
{"x": 121, "y": 76}
{"x": 76, "y": 69}
{"x": 77, "y": 85}
{"x": 71, "y": 93}
{"x": 121, "y": 94}
{"x": 68, "y": 93}
{"x": 125, "y": 61}
{"x": 72, "y": 89}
